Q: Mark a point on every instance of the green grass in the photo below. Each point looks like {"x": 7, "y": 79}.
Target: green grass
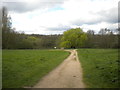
{"x": 25, "y": 67}
{"x": 0, "y": 68}
{"x": 100, "y": 67}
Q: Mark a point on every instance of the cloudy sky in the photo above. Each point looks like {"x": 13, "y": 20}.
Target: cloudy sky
{"x": 57, "y": 16}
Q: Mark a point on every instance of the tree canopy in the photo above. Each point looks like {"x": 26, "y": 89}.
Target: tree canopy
{"x": 73, "y": 38}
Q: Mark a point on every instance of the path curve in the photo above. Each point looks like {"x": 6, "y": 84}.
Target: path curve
{"x": 67, "y": 75}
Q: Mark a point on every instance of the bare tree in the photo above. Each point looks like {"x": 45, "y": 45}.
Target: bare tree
{"x": 90, "y": 32}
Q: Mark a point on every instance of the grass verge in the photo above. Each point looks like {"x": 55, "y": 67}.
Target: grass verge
{"x": 100, "y": 67}
{"x": 25, "y": 67}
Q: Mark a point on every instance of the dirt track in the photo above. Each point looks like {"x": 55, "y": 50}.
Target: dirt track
{"x": 67, "y": 75}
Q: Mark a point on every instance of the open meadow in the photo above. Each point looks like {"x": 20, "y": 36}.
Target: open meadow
{"x": 23, "y": 68}
{"x": 100, "y": 67}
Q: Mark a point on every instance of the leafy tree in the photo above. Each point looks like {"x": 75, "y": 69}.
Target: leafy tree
{"x": 6, "y": 28}
{"x": 73, "y": 38}
{"x": 26, "y": 42}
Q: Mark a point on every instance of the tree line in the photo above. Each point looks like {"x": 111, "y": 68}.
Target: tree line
{"x": 105, "y": 38}
{"x": 73, "y": 38}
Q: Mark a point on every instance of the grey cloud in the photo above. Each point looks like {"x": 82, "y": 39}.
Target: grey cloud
{"x": 21, "y": 7}
{"x": 17, "y": 6}
{"x": 80, "y": 22}
{"x": 119, "y": 12}
{"x": 110, "y": 16}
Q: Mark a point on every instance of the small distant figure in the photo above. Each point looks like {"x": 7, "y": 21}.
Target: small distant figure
{"x": 62, "y": 48}
{"x": 55, "y": 47}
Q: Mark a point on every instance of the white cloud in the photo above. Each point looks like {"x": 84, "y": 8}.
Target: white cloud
{"x": 88, "y": 14}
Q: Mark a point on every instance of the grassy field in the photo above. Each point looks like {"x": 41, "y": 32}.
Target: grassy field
{"x": 100, "y": 67}
{"x": 0, "y": 68}
{"x": 25, "y": 67}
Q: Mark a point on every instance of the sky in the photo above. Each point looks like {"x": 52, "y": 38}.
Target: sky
{"x": 56, "y": 16}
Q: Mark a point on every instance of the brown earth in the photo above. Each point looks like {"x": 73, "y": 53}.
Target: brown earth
{"x": 67, "y": 75}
